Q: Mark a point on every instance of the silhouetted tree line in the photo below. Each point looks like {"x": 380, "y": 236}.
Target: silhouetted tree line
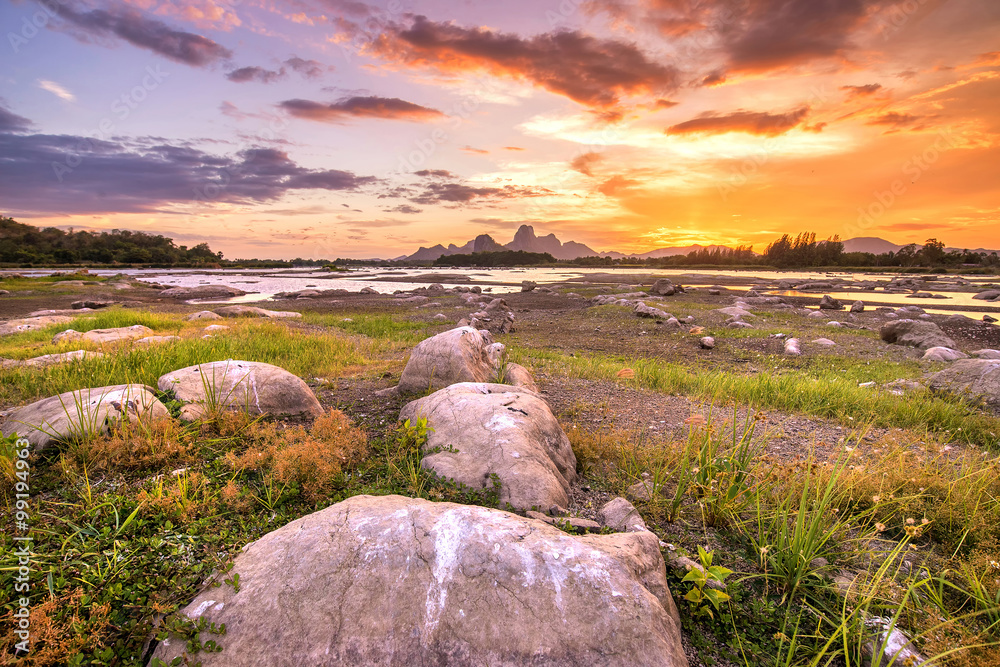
{"x": 26, "y": 244}
{"x": 497, "y": 258}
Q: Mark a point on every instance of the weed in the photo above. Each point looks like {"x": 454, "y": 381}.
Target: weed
{"x": 701, "y": 597}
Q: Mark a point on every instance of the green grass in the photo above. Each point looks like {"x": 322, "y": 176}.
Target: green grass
{"x": 34, "y": 343}
{"x": 46, "y": 282}
{"x": 381, "y": 326}
{"x": 827, "y": 388}
{"x": 301, "y": 352}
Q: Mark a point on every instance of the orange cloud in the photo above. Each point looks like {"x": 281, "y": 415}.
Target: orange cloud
{"x": 752, "y": 122}
{"x": 589, "y": 70}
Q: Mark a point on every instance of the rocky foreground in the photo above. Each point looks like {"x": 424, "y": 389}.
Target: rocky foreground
{"x": 403, "y": 581}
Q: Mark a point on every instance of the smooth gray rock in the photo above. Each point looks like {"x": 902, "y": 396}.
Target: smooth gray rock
{"x": 253, "y": 311}
{"x": 202, "y": 315}
{"x": 494, "y": 429}
{"x": 104, "y": 336}
{"x": 50, "y": 359}
{"x": 621, "y": 515}
{"x": 21, "y": 325}
{"x": 663, "y": 287}
{"x": 915, "y": 333}
{"x": 978, "y": 379}
{"x": 642, "y": 310}
{"x": 943, "y": 354}
{"x": 250, "y": 386}
{"x": 462, "y": 354}
{"x": 82, "y": 413}
{"x": 829, "y": 303}
{"x": 401, "y": 582}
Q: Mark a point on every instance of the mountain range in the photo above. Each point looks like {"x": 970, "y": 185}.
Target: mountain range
{"x": 525, "y": 239}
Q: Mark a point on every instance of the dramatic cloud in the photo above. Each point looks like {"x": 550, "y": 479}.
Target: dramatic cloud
{"x": 43, "y": 173}
{"x": 752, "y": 122}
{"x": 11, "y": 122}
{"x": 360, "y": 107}
{"x": 778, "y": 33}
{"x": 259, "y": 74}
{"x": 145, "y": 33}
{"x": 854, "y": 92}
{"x": 460, "y": 193}
{"x": 587, "y": 69}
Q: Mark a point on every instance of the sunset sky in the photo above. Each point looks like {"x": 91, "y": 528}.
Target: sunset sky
{"x": 343, "y": 128}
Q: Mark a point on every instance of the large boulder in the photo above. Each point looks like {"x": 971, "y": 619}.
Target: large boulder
{"x": 829, "y": 303}
{"x": 482, "y": 430}
{"x": 202, "y": 292}
{"x": 400, "y": 582}
{"x": 104, "y": 336}
{"x": 252, "y": 386}
{"x": 462, "y": 354}
{"x": 663, "y": 287}
{"x": 32, "y": 323}
{"x": 978, "y": 379}
{"x": 915, "y": 333}
{"x": 82, "y": 413}
{"x": 254, "y": 311}
{"x": 987, "y": 295}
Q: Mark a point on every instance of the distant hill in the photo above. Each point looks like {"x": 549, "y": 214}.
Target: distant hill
{"x": 878, "y": 246}
{"x": 871, "y": 244}
{"x": 524, "y": 240}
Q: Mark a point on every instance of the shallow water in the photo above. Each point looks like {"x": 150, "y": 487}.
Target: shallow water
{"x": 263, "y": 284}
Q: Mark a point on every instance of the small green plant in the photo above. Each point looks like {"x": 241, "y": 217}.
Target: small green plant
{"x": 724, "y": 477}
{"x": 702, "y": 597}
{"x": 413, "y": 436}
{"x": 501, "y": 367}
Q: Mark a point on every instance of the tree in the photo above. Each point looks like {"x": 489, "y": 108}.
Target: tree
{"x": 933, "y": 251}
